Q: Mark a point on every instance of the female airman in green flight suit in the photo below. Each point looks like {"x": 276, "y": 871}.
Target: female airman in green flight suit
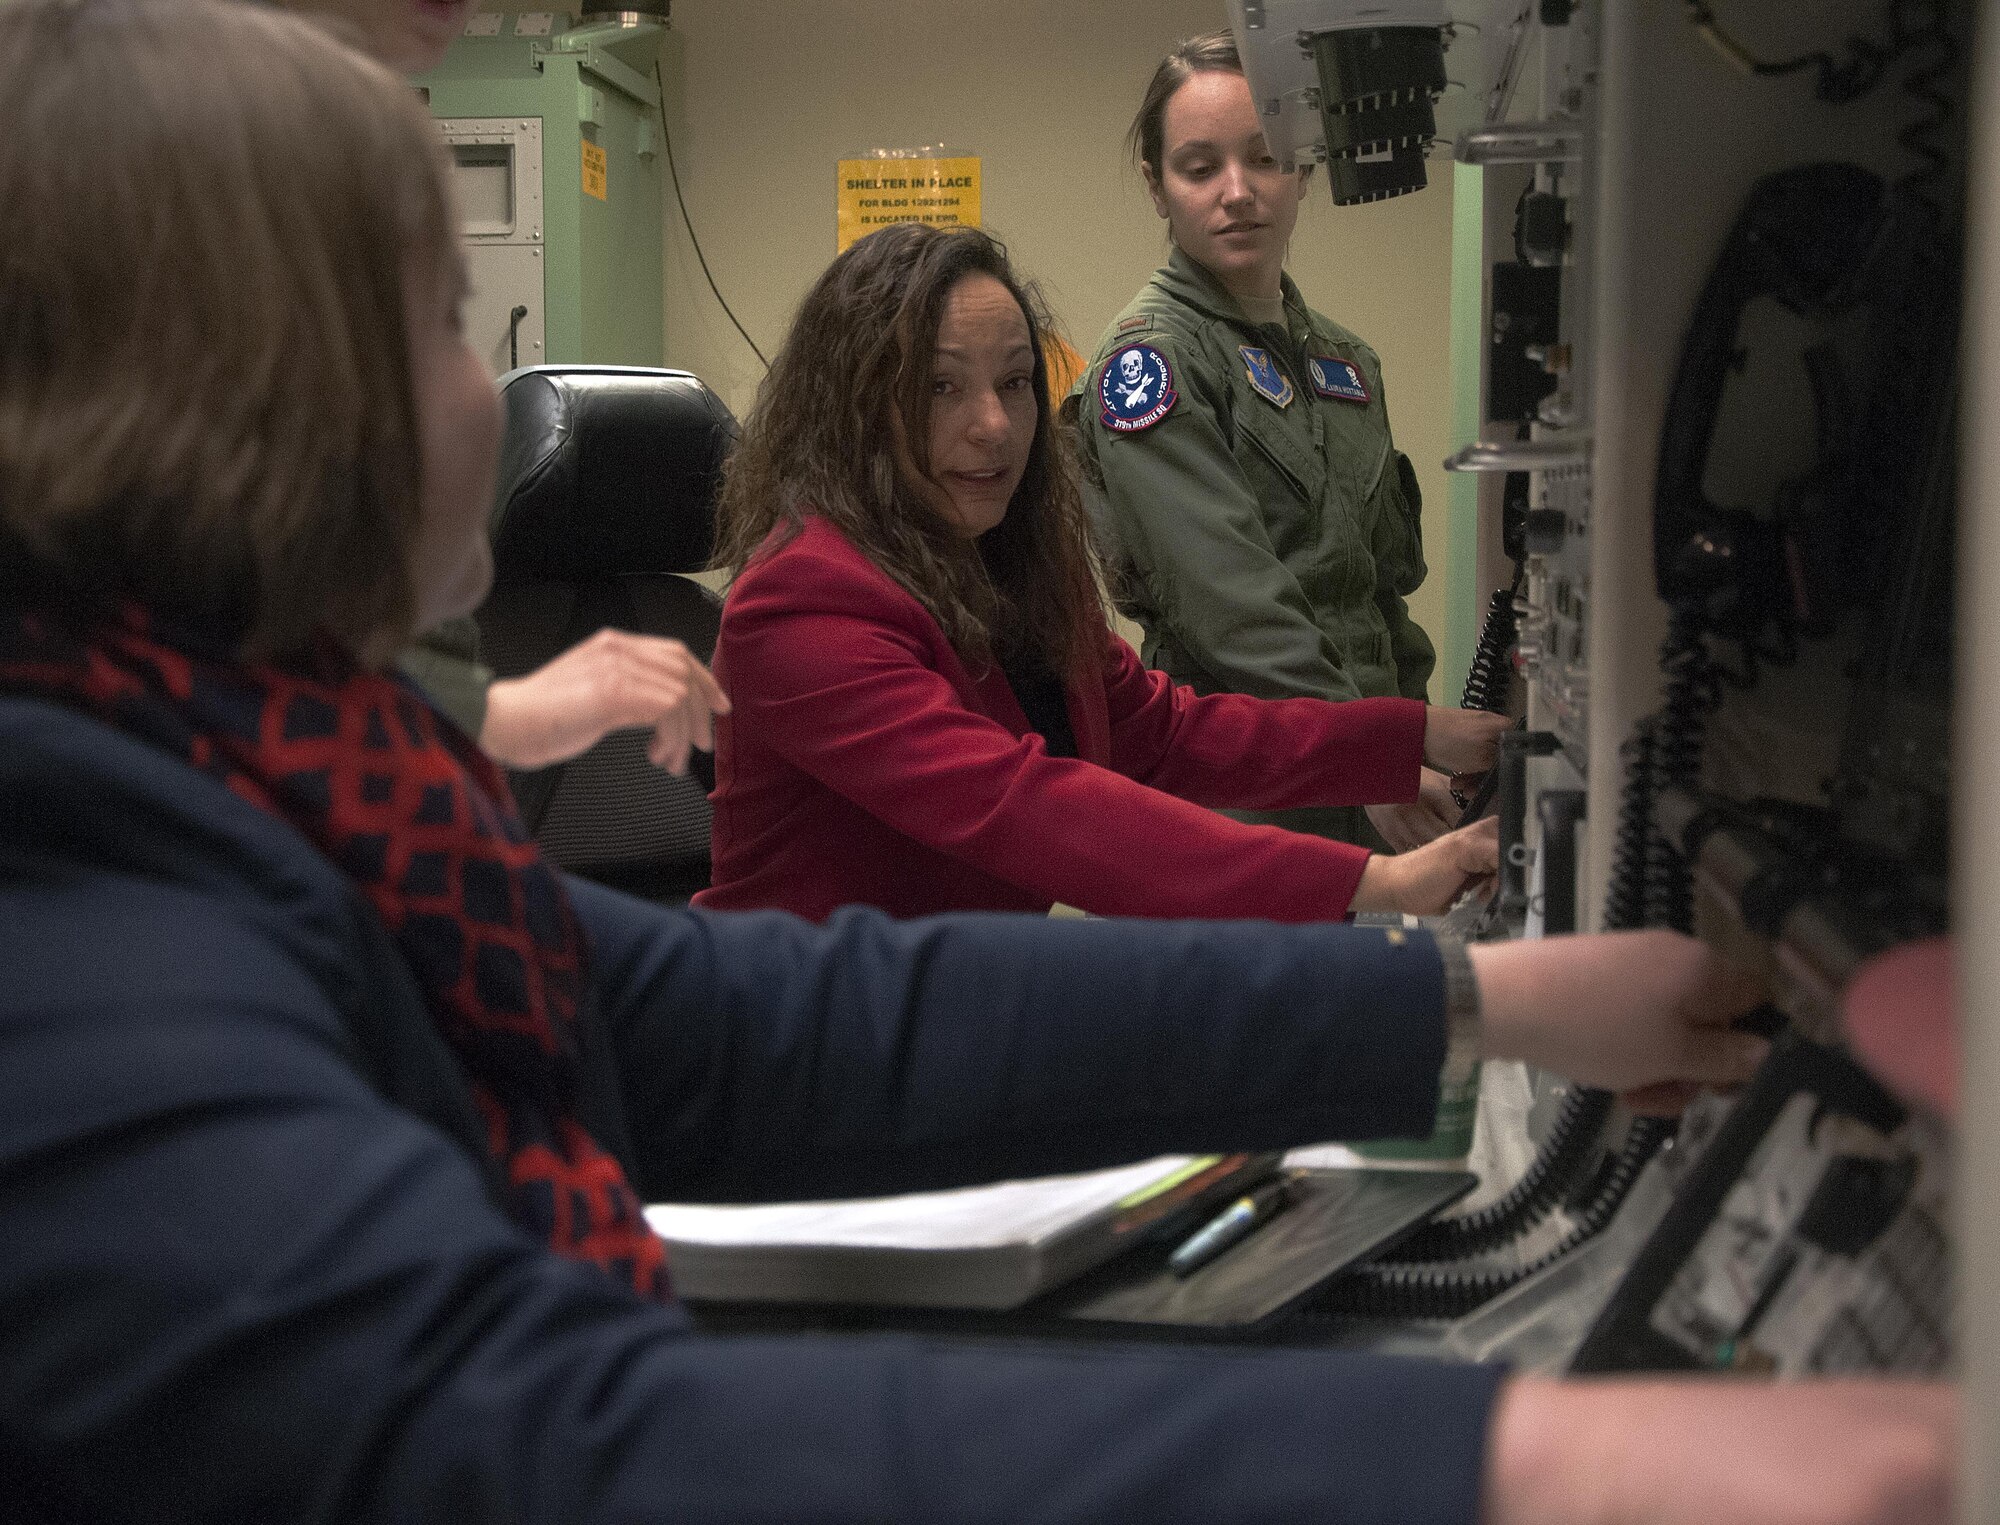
{"x": 1264, "y": 525}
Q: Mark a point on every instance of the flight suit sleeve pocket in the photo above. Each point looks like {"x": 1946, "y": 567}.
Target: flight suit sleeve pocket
{"x": 1407, "y": 570}
{"x": 1413, "y": 495}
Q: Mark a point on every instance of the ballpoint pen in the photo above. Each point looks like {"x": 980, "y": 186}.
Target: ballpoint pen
{"x": 1231, "y": 1224}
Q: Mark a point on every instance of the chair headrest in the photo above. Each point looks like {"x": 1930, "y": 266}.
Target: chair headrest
{"x": 606, "y": 471}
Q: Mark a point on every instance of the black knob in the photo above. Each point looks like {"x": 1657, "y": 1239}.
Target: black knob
{"x": 1544, "y": 227}
{"x": 1546, "y": 530}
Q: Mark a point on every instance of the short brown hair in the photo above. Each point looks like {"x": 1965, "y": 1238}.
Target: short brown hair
{"x": 854, "y": 374}
{"x": 205, "y": 401}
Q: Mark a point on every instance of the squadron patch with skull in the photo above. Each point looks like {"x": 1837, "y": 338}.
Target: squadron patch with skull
{"x": 1137, "y": 389}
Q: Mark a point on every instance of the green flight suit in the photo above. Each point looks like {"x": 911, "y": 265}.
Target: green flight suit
{"x": 1266, "y": 550}
{"x": 445, "y": 664}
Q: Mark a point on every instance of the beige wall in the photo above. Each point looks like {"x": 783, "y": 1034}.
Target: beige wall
{"x": 765, "y": 96}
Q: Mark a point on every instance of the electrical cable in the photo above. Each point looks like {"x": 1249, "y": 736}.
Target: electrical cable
{"x": 1649, "y": 887}
{"x": 1490, "y": 677}
{"x": 1912, "y": 341}
{"x": 1926, "y": 139}
{"x": 1693, "y": 692}
{"x": 1548, "y": 1179}
{"x": 1399, "y": 1290}
{"x": 1650, "y": 882}
{"x": 1914, "y": 25}
{"x": 673, "y": 170}
{"x": 1838, "y": 81}
{"x": 1489, "y": 680}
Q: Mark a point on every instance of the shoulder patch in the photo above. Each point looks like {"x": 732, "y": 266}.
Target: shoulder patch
{"x": 1137, "y": 321}
{"x": 1136, "y": 389}
{"x": 1270, "y": 383}
{"x": 1342, "y": 379}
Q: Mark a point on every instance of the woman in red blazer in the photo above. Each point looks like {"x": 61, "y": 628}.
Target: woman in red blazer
{"x": 929, "y": 711}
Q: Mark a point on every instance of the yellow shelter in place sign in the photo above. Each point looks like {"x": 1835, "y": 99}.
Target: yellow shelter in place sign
{"x": 872, "y": 193}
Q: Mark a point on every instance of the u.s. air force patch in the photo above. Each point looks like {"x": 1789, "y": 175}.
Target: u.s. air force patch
{"x": 1337, "y": 378}
{"x": 1269, "y": 382}
{"x": 1137, "y": 389}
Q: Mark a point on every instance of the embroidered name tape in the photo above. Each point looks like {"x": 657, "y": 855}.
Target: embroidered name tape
{"x": 1137, "y": 389}
{"x": 1337, "y": 378}
{"x": 1270, "y": 383}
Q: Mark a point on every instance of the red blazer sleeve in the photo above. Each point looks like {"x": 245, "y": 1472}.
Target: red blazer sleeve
{"x": 845, "y": 675}
{"x": 1235, "y": 752}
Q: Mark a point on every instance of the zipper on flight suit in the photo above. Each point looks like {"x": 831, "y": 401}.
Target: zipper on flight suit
{"x": 1285, "y": 470}
{"x": 1286, "y": 358}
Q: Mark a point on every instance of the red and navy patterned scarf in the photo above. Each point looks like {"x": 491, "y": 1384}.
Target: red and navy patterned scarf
{"x": 420, "y": 820}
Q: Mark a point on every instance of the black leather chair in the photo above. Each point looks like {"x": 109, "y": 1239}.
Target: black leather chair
{"x": 606, "y": 495}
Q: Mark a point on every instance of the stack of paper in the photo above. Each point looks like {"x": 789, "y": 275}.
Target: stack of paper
{"x": 979, "y": 1247}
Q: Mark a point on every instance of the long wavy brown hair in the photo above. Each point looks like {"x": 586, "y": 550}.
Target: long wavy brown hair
{"x": 840, "y": 428}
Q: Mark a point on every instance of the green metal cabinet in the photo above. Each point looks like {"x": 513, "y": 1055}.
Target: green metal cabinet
{"x": 519, "y": 115}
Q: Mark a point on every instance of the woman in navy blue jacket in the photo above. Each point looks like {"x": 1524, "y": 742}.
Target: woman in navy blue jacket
{"x": 326, "y": 1108}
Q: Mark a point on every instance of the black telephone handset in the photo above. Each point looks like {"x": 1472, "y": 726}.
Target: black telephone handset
{"x": 1805, "y": 1236}
{"x": 1809, "y": 238}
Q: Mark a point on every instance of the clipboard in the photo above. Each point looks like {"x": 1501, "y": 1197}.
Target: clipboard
{"x": 1334, "y": 1218}
{"x": 1247, "y": 1294}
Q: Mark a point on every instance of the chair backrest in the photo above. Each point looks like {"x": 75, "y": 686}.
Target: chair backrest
{"x": 606, "y": 495}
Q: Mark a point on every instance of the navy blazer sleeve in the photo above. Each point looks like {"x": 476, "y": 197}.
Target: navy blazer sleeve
{"x": 764, "y": 1057}
{"x": 238, "y": 1285}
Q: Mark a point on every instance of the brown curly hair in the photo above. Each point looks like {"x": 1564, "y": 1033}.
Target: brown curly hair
{"x": 827, "y": 436}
